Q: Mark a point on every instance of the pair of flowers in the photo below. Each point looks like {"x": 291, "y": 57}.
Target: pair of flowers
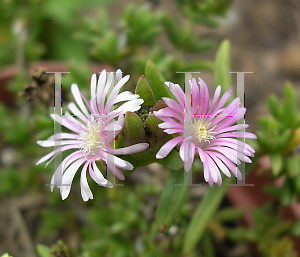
{"x": 201, "y": 128}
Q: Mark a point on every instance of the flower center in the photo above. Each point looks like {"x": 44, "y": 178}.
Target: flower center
{"x": 91, "y": 140}
{"x": 200, "y": 131}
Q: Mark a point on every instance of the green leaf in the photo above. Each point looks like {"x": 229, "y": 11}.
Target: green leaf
{"x": 288, "y": 193}
{"x": 6, "y": 255}
{"x": 173, "y": 161}
{"x": 276, "y": 163}
{"x": 229, "y": 214}
{"x": 274, "y": 106}
{"x": 240, "y": 234}
{"x": 204, "y": 214}
{"x": 133, "y": 130}
{"x": 144, "y": 91}
{"x": 171, "y": 201}
{"x": 184, "y": 36}
{"x": 290, "y": 106}
{"x": 296, "y": 183}
{"x": 208, "y": 245}
{"x": 43, "y": 251}
{"x": 283, "y": 140}
{"x": 156, "y": 82}
{"x": 296, "y": 228}
{"x": 223, "y": 66}
{"x": 293, "y": 167}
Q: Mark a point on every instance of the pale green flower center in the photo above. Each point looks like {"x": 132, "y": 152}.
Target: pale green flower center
{"x": 91, "y": 138}
{"x": 200, "y": 131}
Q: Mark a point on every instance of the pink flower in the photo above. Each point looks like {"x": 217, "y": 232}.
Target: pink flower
{"x": 93, "y": 134}
{"x": 206, "y": 130}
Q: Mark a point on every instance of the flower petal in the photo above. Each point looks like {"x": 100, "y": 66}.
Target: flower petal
{"x": 77, "y": 96}
{"x": 167, "y": 147}
{"x": 195, "y": 96}
{"x": 130, "y": 149}
{"x": 68, "y": 178}
{"x": 97, "y": 176}
{"x": 86, "y": 192}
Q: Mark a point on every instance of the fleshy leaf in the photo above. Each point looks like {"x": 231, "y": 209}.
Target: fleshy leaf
{"x": 293, "y": 167}
{"x": 171, "y": 201}
{"x": 144, "y": 91}
{"x": 156, "y": 82}
{"x": 203, "y": 214}
{"x": 296, "y": 228}
{"x": 43, "y": 250}
{"x": 290, "y": 106}
{"x": 288, "y": 193}
{"x": 274, "y": 106}
{"x": 134, "y": 131}
{"x": 173, "y": 160}
{"x": 223, "y": 66}
{"x": 276, "y": 163}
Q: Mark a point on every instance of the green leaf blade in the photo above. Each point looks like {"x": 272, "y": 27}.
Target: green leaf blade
{"x": 171, "y": 201}
{"x": 156, "y": 82}
{"x": 204, "y": 214}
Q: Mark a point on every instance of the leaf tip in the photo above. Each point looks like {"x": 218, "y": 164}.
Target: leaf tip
{"x": 163, "y": 229}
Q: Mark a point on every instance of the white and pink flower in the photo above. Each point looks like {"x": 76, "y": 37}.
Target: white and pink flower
{"x": 205, "y": 129}
{"x": 93, "y": 134}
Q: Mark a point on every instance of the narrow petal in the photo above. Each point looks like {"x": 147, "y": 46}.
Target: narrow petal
{"x": 231, "y": 120}
{"x": 235, "y": 171}
{"x": 238, "y": 134}
{"x": 172, "y": 104}
{"x": 115, "y": 170}
{"x": 219, "y": 163}
{"x": 101, "y": 93}
{"x": 213, "y": 169}
{"x": 167, "y": 112}
{"x": 226, "y": 152}
{"x": 73, "y": 108}
{"x": 183, "y": 151}
{"x": 86, "y": 192}
{"x": 201, "y": 154}
{"x": 93, "y": 93}
{"x": 132, "y": 106}
{"x": 168, "y": 125}
{"x": 177, "y": 92}
{"x": 111, "y": 159}
{"x": 68, "y": 178}
{"x": 195, "y": 96}
{"x": 57, "y": 176}
{"x": 130, "y": 149}
{"x": 97, "y": 176}
{"x": 48, "y": 143}
{"x": 224, "y": 99}
{"x": 77, "y": 96}
{"x": 61, "y": 149}
{"x": 174, "y": 131}
{"x": 63, "y": 136}
{"x": 66, "y": 123}
{"x": 117, "y": 88}
{"x": 233, "y": 128}
{"x": 188, "y": 164}
{"x": 168, "y": 147}
{"x": 125, "y": 96}
{"x": 215, "y": 99}
{"x": 204, "y": 96}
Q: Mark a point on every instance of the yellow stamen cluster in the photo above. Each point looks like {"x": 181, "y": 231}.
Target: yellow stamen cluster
{"x": 91, "y": 138}
{"x": 200, "y": 130}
